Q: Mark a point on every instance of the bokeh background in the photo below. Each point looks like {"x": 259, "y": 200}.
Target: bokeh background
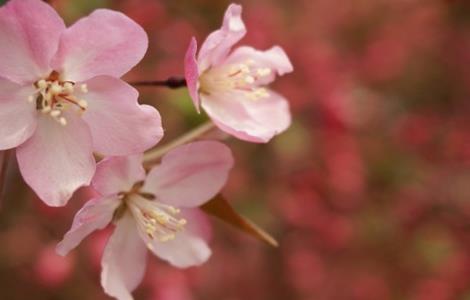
{"x": 368, "y": 192}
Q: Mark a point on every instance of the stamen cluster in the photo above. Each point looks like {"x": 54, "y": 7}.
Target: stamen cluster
{"x": 156, "y": 220}
{"x": 53, "y": 96}
{"x": 244, "y": 77}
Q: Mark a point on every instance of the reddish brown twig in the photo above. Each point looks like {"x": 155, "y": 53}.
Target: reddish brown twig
{"x": 4, "y": 159}
{"x": 172, "y": 83}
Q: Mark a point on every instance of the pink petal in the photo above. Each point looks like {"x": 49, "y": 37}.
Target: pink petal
{"x": 29, "y": 35}
{"x": 250, "y": 120}
{"x": 104, "y": 43}
{"x": 272, "y": 112}
{"x": 118, "y": 124}
{"x": 17, "y": 116}
{"x": 274, "y": 59}
{"x": 199, "y": 223}
{"x": 191, "y": 72}
{"x": 118, "y": 174}
{"x": 184, "y": 251}
{"x": 124, "y": 260}
{"x": 218, "y": 44}
{"x": 95, "y": 214}
{"x": 191, "y": 174}
{"x": 57, "y": 159}
{"x": 188, "y": 248}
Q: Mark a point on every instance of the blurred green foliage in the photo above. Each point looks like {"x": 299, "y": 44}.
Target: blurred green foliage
{"x": 73, "y": 12}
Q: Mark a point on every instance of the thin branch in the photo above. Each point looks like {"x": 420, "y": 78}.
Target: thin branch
{"x": 172, "y": 83}
{"x": 4, "y": 159}
{"x": 154, "y": 155}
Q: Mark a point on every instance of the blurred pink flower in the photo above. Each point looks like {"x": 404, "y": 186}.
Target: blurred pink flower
{"x": 433, "y": 289}
{"x": 53, "y": 270}
{"x": 143, "y": 208}
{"x": 61, "y": 97}
{"x": 230, "y": 87}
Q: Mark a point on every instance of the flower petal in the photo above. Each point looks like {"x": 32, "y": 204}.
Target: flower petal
{"x": 188, "y": 248}
{"x": 95, "y": 214}
{"x": 117, "y": 174}
{"x": 191, "y": 72}
{"x": 124, "y": 260}
{"x": 104, "y": 43}
{"x": 118, "y": 124}
{"x": 29, "y": 35}
{"x": 274, "y": 59}
{"x": 184, "y": 251}
{"x": 252, "y": 120}
{"x": 57, "y": 159}
{"x": 198, "y": 222}
{"x": 218, "y": 44}
{"x": 191, "y": 174}
{"x": 17, "y": 116}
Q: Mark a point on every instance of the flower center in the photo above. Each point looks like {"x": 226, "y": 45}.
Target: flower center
{"x": 53, "y": 96}
{"x": 244, "y": 77}
{"x": 156, "y": 220}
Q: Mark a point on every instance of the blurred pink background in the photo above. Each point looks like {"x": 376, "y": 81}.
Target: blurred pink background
{"x": 368, "y": 192}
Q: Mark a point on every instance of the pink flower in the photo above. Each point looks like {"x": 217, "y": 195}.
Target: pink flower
{"x": 230, "y": 87}
{"x": 51, "y": 269}
{"x": 60, "y": 96}
{"x": 157, "y": 211}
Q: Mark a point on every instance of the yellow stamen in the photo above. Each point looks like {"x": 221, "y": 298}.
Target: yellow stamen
{"x": 244, "y": 77}
{"x": 53, "y": 96}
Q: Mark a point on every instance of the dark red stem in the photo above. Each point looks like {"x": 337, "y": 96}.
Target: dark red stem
{"x": 4, "y": 159}
{"x": 172, "y": 83}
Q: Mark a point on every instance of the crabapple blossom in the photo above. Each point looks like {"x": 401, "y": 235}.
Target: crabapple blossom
{"x": 230, "y": 87}
{"x": 61, "y": 98}
{"x": 157, "y": 211}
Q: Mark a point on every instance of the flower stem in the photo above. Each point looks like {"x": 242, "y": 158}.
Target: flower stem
{"x": 172, "y": 83}
{"x": 154, "y": 155}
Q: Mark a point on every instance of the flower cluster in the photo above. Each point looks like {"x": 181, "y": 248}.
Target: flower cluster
{"x": 63, "y": 106}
